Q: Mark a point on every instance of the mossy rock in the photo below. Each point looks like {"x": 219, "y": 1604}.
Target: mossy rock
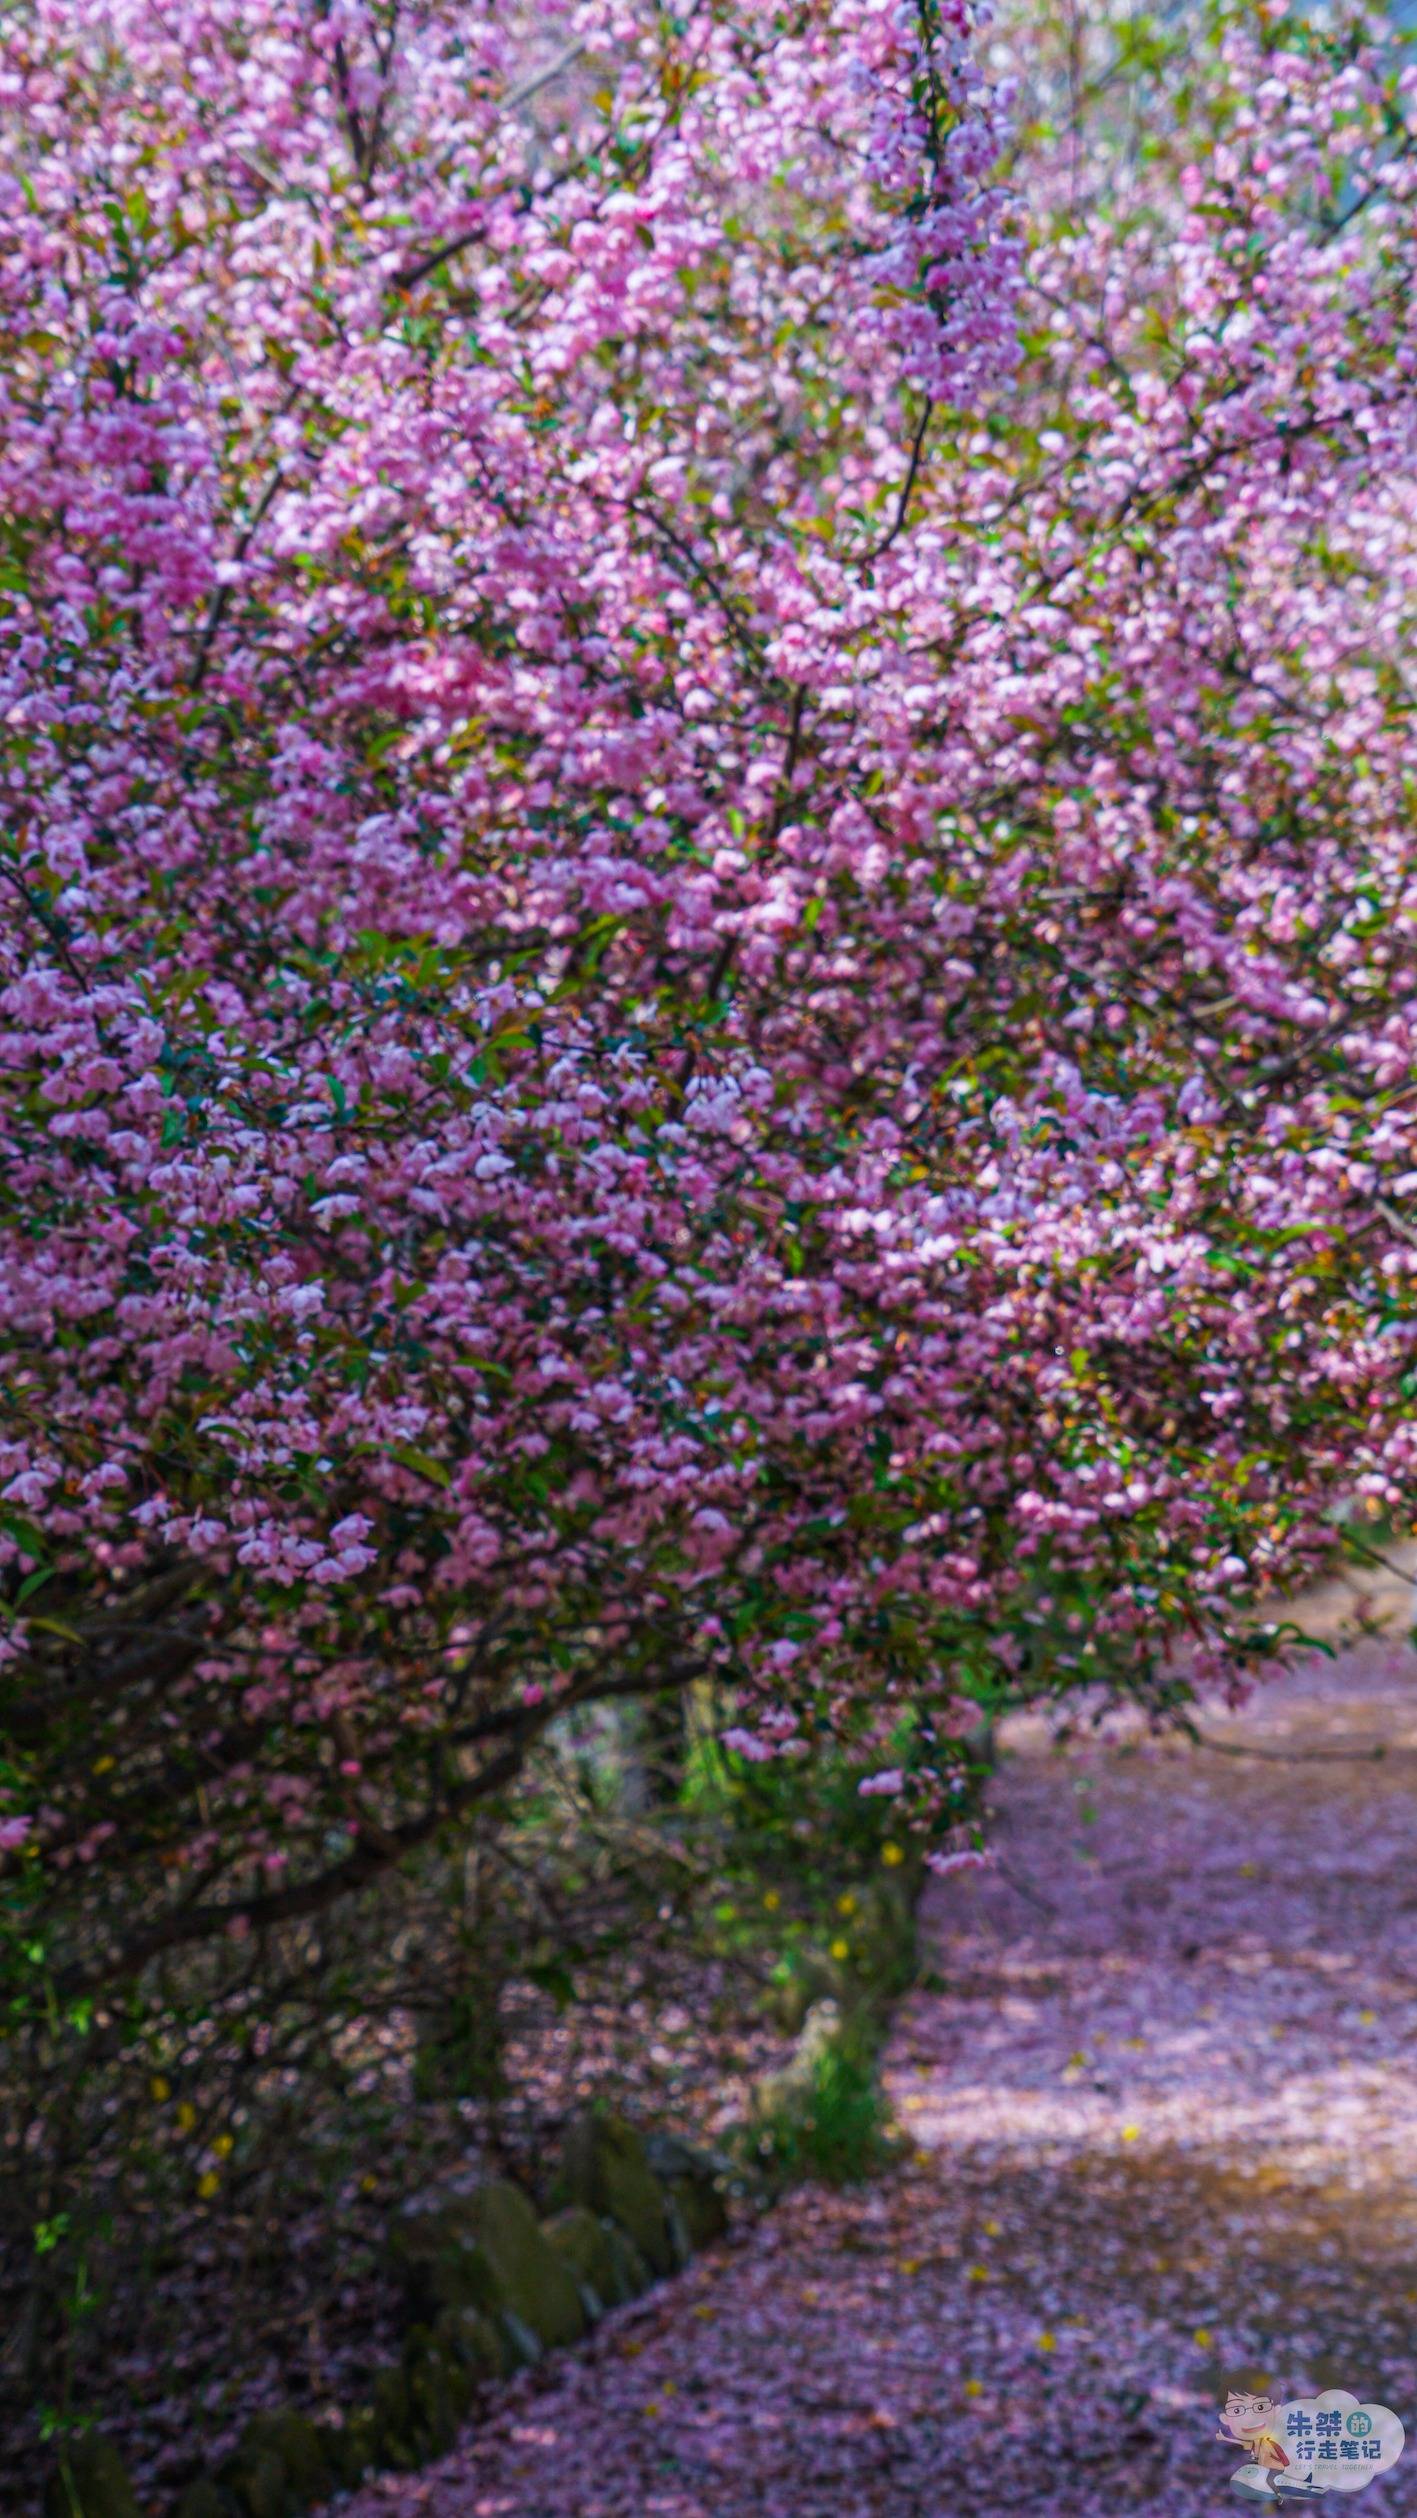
{"x": 393, "y": 2427}
{"x": 310, "y": 2471}
{"x": 203, "y": 2499}
{"x": 536, "y": 2285}
{"x": 789, "y": 2090}
{"x": 439, "y": 2394}
{"x": 440, "y": 2264}
{"x": 96, "y": 2485}
{"x": 430, "y": 2229}
{"x": 694, "y": 2181}
{"x": 632, "y": 2274}
{"x": 524, "y": 2347}
{"x": 580, "y": 2240}
{"x": 474, "y": 2340}
{"x": 701, "y": 2208}
{"x": 674, "y": 2155}
{"x": 678, "y": 2229}
{"x": 255, "y": 2482}
{"x": 604, "y": 2166}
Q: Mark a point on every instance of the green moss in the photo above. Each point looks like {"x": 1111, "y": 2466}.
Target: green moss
{"x": 536, "y": 2284}
{"x": 605, "y": 2168}
{"x": 580, "y": 2240}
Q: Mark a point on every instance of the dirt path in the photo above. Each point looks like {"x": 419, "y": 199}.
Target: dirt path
{"x": 1162, "y": 2084}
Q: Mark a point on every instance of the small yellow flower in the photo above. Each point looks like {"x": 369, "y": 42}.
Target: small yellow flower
{"x": 846, "y": 1903}
{"x": 923, "y": 2159}
{"x": 670, "y": 2387}
{"x": 1131, "y": 2133}
{"x": 104, "y": 1765}
{"x": 223, "y": 2145}
{"x": 979, "y": 2273}
{"x": 368, "y": 2185}
{"x": 993, "y": 2229}
{"x": 772, "y": 1901}
{"x": 160, "y": 2089}
{"x": 974, "y": 2386}
{"x": 653, "y": 2406}
{"x": 1204, "y": 2337}
{"x": 208, "y": 2185}
{"x": 891, "y": 1856}
{"x": 1047, "y": 2343}
{"x": 186, "y": 2116}
{"x": 1367, "y": 2018}
{"x": 909, "y": 2264}
{"x": 702, "y": 2309}
{"x": 840, "y": 1948}
{"x": 1076, "y": 2062}
{"x": 1249, "y": 1870}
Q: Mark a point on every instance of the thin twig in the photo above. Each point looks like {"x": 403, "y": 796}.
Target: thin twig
{"x": 47, "y": 921}
{"x": 543, "y": 78}
{"x": 878, "y": 550}
{"x": 437, "y": 255}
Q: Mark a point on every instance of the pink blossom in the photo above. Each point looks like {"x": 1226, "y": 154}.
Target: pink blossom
{"x": 970, "y": 1858}
{"x": 747, "y": 1744}
{"x": 710, "y": 955}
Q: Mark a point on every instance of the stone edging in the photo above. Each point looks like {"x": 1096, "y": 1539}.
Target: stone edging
{"x": 488, "y": 2288}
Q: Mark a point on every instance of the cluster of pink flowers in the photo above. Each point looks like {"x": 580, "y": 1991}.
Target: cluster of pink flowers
{"x": 708, "y": 954}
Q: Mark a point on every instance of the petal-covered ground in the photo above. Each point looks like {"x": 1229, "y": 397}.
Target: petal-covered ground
{"x": 1161, "y": 2080}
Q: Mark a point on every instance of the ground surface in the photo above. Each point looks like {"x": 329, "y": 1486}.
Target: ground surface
{"x": 1162, "y": 2084}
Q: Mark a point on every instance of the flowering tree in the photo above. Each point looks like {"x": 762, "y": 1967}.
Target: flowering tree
{"x": 709, "y": 945}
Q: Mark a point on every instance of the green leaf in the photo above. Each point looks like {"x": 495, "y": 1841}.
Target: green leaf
{"x": 422, "y": 1463}
{"x": 24, "y": 1534}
